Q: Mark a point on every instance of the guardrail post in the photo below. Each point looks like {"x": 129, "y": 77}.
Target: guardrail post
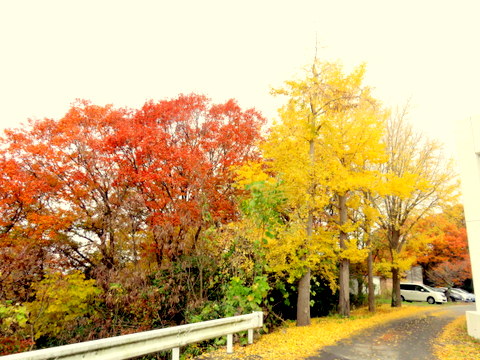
{"x": 229, "y": 343}
{"x": 250, "y": 336}
{"x": 176, "y": 353}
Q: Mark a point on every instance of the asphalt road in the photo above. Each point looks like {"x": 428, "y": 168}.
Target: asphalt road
{"x": 410, "y": 338}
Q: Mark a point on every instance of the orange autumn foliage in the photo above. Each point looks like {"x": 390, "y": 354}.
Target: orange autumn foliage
{"x": 102, "y": 188}
{"x": 444, "y": 255}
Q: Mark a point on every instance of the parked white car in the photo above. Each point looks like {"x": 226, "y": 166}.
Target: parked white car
{"x": 420, "y": 292}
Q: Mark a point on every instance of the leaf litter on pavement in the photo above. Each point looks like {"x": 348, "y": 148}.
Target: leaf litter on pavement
{"x": 455, "y": 344}
{"x": 291, "y": 342}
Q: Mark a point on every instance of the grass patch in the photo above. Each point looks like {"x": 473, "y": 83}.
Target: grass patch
{"x": 455, "y": 344}
{"x": 382, "y": 300}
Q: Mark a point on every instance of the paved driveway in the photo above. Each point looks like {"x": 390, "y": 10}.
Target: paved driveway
{"x": 409, "y": 338}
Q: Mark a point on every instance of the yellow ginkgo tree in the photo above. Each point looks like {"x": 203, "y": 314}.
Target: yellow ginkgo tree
{"x": 329, "y": 134}
{"x": 420, "y": 181}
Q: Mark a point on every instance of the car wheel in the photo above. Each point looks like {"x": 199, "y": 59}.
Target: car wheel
{"x": 431, "y": 300}
{"x": 452, "y": 299}
{"x": 403, "y": 299}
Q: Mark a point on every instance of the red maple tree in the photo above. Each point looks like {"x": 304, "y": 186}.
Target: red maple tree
{"x": 105, "y": 187}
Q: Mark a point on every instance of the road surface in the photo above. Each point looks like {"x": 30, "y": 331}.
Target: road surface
{"x": 410, "y": 338}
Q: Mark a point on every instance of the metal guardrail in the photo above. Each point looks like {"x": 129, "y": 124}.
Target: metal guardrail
{"x": 147, "y": 342}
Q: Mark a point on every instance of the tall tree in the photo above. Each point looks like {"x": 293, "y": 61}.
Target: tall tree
{"x": 71, "y": 153}
{"x": 177, "y": 154}
{"x": 421, "y": 182}
{"x": 330, "y": 130}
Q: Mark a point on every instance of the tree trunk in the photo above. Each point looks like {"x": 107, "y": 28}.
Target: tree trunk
{"x": 344, "y": 283}
{"x": 395, "y": 249}
{"x": 396, "y": 297}
{"x": 371, "y": 287}
{"x": 303, "y": 302}
{"x": 344, "y": 278}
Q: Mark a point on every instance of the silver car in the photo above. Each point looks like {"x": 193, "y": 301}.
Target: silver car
{"x": 466, "y": 296}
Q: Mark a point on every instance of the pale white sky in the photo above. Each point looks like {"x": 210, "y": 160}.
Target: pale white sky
{"x": 125, "y": 52}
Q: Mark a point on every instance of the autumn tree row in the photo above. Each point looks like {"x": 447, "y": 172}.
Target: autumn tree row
{"x": 350, "y": 172}
{"x": 116, "y": 220}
